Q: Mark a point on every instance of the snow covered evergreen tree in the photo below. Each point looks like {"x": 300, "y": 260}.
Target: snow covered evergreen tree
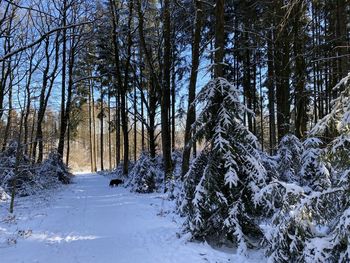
{"x": 306, "y": 227}
{"x": 339, "y": 151}
{"x": 146, "y": 175}
{"x": 220, "y": 186}
{"x": 308, "y": 220}
{"x": 314, "y": 171}
{"x": 289, "y": 154}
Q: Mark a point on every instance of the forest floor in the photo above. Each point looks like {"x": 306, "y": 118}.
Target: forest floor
{"x": 88, "y": 221}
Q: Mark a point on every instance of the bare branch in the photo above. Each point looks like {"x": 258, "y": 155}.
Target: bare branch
{"x": 41, "y": 38}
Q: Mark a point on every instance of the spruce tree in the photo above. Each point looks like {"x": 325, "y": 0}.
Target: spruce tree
{"x": 220, "y": 186}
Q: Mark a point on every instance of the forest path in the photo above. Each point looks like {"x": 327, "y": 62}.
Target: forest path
{"x": 91, "y": 222}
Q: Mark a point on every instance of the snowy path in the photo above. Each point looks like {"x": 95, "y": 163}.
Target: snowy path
{"x": 90, "y": 222}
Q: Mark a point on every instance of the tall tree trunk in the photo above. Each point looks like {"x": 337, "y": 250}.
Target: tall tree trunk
{"x": 135, "y": 124}
{"x": 101, "y": 129}
{"x": 261, "y": 109}
{"x": 63, "y": 120}
{"x": 219, "y": 38}
{"x": 191, "y": 109}
{"x": 342, "y": 44}
{"x": 66, "y": 119}
{"x": 94, "y": 128}
{"x": 247, "y": 76}
{"x": 109, "y": 130}
{"x": 124, "y": 109}
{"x": 28, "y": 102}
{"x": 143, "y": 100}
{"x": 2, "y": 86}
{"x": 173, "y": 111}
{"x": 154, "y": 85}
{"x": 173, "y": 91}
{"x": 68, "y": 144}
{"x": 44, "y": 97}
{"x": 165, "y": 99}
{"x": 31, "y": 137}
{"x": 17, "y": 164}
{"x": 122, "y": 85}
{"x": 219, "y": 52}
{"x": 42, "y": 108}
{"x": 270, "y": 84}
{"x": 90, "y": 132}
{"x": 117, "y": 129}
{"x": 282, "y": 73}
{"x": 6, "y": 64}
{"x": 142, "y": 124}
{"x": 314, "y": 67}
{"x": 152, "y": 119}
{"x": 9, "y": 117}
{"x": 124, "y": 118}
{"x": 300, "y": 73}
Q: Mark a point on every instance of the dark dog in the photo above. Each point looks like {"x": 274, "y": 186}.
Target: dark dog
{"x": 115, "y": 182}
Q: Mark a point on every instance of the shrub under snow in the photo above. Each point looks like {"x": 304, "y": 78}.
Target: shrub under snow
{"x": 52, "y": 171}
{"x": 24, "y": 178}
{"x": 16, "y": 169}
{"x": 146, "y": 175}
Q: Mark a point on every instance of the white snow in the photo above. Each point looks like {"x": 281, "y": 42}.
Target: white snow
{"x": 89, "y": 222}
{"x": 3, "y": 195}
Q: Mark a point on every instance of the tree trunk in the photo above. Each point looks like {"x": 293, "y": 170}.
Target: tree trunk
{"x": 90, "y": 132}
{"x": 191, "y": 109}
{"x": 17, "y": 164}
{"x": 9, "y": 117}
{"x": 28, "y": 103}
{"x": 135, "y": 124}
{"x": 270, "y": 85}
{"x": 66, "y": 119}
{"x": 173, "y": 92}
{"x": 165, "y": 99}
{"x": 63, "y": 120}
{"x": 300, "y": 74}
{"x": 219, "y": 38}
{"x": 109, "y": 130}
{"x": 31, "y": 138}
{"x": 282, "y": 73}
{"x": 44, "y": 97}
{"x": 122, "y": 85}
{"x": 94, "y": 129}
{"x": 101, "y": 130}
{"x": 118, "y": 129}
{"x": 68, "y": 144}
{"x": 142, "y": 124}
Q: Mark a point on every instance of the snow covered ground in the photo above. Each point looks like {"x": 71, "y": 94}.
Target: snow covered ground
{"x": 89, "y": 222}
